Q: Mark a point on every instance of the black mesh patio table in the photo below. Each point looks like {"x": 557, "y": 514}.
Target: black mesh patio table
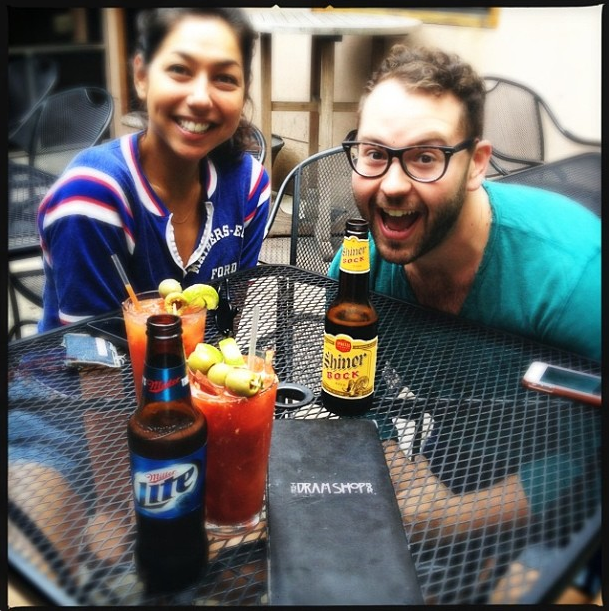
{"x": 445, "y": 388}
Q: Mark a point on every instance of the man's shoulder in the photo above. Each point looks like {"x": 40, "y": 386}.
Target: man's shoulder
{"x": 513, "y": 199}
{"x": 543, "y": 214}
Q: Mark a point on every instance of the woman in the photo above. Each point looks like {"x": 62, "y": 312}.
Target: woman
{"x": 178, "y": 200}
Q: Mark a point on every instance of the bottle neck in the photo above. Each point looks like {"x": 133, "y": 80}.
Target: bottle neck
{"x": 165, "y": 377}
{"x": 354, "y": 276}
{"x": 353, "y": 287}
{"x": 165, "y": 352}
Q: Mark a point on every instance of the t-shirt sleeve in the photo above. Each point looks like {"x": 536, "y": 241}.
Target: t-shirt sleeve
{"x": 579, "y": 325}
{"x": 82, "y": 222}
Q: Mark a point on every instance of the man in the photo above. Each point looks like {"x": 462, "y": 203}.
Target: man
{"x": 526, "y": 261}
{"x": 523, "y": 260}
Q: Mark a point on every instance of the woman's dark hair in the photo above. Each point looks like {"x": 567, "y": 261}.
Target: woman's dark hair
{"x": 153, "y": 26}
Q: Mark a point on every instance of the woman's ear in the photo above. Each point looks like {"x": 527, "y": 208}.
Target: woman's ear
{"x": 478, "y": 164}
{"x": 140, "y": 77}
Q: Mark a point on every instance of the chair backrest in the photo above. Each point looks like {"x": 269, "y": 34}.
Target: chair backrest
{"x": 322, "y": 201}
{"x": 30, "y": 80}
{"x": 258, "y": 145}
{"x": 516, "y": 119}
{"x": 577, "y": 177}
{"x": 69, "y": 121}
{"x": 512, "y": 122}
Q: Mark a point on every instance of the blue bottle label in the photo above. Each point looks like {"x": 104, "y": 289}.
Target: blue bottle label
{"x": 166, "y": 384}
{"x": 169, "y": 489}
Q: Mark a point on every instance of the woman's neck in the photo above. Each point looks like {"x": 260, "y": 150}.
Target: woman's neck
{"x": 172, "y": 178}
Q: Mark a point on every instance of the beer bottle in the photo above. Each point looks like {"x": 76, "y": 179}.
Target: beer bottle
{"x": 350, "y": 330}
{"x": 167, "y": 439}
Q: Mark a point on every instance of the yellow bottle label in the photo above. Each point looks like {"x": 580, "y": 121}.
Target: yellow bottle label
{"x": 355, "y": 257}
{"x": 348, "y": 366}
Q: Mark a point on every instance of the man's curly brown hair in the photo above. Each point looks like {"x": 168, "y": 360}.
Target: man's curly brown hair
{"x": 435, "y": 72}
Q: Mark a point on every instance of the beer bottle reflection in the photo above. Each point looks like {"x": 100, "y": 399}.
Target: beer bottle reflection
{"x": 350, "y": 330}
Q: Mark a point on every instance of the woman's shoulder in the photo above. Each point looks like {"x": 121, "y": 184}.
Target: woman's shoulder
{"x": 107, "y": 156}
{"x": 99, "y": 175}
{"x": 106, "y": 166}
{"x": 245, "y": 173}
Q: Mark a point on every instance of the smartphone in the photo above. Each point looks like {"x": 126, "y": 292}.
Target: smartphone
{"x": 564, "y": 382}
{"x": 112, "y": 329}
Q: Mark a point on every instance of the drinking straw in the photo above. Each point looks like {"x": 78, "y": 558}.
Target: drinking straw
{"x": 123, "y": 275}
{"x": 253, "y": 337}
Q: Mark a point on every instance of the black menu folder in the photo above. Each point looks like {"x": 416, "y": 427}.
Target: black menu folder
{"x": 335, "y": 531}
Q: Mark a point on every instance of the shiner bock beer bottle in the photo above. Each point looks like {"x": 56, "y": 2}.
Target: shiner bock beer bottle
{"x": 167, "y": 439}
{"x": 350, "y": 337}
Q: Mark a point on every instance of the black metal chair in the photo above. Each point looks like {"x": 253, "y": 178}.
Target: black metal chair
{"x": 518, "y": 123}
{"x": 259, "y": 146}
{"x": 67, "y": 122}
{"x": 26, "y": 188}
{"x": 30, "y": 81}
{"x": 29, "y": 284}
{"x": 322, "y": 201}
{"x": 577, "y": 177}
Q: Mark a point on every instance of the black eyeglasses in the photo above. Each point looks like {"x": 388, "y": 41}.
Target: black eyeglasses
{"x": 421, "y": 163}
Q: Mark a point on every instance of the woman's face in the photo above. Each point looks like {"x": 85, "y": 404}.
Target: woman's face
{"x": 194, "y": 87}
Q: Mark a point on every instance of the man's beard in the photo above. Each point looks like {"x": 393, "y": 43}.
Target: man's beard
{"x": 445, "y": 220}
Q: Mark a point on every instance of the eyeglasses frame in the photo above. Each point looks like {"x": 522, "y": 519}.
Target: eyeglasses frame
{"x": 448, "y": 151}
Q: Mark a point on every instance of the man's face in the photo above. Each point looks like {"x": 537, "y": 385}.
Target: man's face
{"x": 409, "y": 218}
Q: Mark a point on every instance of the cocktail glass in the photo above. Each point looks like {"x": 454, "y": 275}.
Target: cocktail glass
{"x": 238, "y": 445}
{"x": 193, "y": 329}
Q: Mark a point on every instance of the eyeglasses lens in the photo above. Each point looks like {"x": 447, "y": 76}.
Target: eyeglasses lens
{"x": 421, "y": 163}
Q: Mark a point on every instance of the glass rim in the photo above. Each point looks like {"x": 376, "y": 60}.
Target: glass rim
{"x": 260, "y": 355}
{"x": 127, "y": 304}
{"x": 226, "y": 397}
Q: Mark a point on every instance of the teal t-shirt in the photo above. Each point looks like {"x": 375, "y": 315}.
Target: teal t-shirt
{"x": 540, "y": 274}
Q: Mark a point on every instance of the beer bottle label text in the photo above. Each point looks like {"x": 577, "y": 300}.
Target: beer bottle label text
{"x": 165, "y": 384}
{"x": 169, "y": 489}
{"x": 348, "y": 366}
{"x": 355, "y": 256}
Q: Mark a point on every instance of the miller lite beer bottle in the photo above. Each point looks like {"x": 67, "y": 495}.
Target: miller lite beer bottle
{"x": 350, "y": 331}
{"x": 167, "y": 439}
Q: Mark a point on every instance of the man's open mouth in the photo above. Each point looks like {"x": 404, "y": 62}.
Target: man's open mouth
{"x": 399, "y": 220}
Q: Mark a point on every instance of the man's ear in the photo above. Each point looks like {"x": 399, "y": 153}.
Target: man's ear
{"x": 140, "y": 77}
{"x": 479, "y": 164}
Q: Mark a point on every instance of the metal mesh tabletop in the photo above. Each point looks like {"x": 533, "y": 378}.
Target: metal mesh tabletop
{"x": 445, "y": 389}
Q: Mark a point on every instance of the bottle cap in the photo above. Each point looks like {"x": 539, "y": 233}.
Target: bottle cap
{"x": 357, "y": 227}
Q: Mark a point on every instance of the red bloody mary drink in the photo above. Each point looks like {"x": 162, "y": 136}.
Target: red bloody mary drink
{"x": 238, "y": 446}
{"x": 193, "y": 329}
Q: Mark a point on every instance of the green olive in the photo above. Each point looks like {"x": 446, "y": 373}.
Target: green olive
{"x": 169, "y": 285}
{"x": 203, "y": 357}
{"x": 243, "y": 382}
{"x": 217, "y": 373}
